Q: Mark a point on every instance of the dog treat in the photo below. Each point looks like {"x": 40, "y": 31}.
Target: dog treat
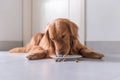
{"x": 75, "y": 58}
{"x": 56, "y": 60}
{"x": 63, "y": 60}
{"x": 60, "y": 60}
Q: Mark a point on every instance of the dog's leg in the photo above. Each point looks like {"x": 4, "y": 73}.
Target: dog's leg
{"x": 81, "y": 49}
{"x": 18, "y": 50}
{"x": 34, "y": 41}
{"x": 87, "y": 53}
{"x": 40, "y": 54}
{"x": 37, "y": 53}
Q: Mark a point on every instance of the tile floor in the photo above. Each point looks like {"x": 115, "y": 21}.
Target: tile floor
{"x": 17, "y": 67}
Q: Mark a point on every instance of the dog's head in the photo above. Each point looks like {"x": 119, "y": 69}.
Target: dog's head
{"x": 61, "y": 33}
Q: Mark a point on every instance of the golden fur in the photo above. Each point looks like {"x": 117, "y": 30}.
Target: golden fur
{"x": 60, "y": 38}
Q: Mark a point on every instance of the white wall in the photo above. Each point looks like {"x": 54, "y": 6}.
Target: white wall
{"x": 77, "y": 15}
{"x": 10, "y": 24}
{"x": 103, "y": 20}
{"x": 10, "y": 20}
{"x": 27, "y": 21}
{"x": 44, "y": 11}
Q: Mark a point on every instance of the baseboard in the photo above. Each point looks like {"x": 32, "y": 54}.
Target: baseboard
{"x": 104, "y": 46}
{"x": 7, "y": 45}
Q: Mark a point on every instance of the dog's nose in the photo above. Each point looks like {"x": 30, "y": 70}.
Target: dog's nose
{"x": 61, "y": 53}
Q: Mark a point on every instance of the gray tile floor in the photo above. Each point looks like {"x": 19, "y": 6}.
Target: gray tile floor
{"x": 17, "y": 67}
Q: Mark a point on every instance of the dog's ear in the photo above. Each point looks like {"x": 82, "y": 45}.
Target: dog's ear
{"x": 74, "y": 42}
{"x": 73, "y": 30}
{"x": 47, "y": 43}
{"x": 51, "y": 44}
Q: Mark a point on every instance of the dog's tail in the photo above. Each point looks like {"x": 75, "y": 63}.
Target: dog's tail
{"x": 18, "y": 50}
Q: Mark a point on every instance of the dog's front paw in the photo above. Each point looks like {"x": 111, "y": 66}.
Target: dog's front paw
{"x": 32, "y": 57}
{"x": 99, "y": 56}
{"x": 36, "y": 56}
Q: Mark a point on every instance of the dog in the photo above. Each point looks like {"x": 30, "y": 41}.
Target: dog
{"x": 60, "y": 39}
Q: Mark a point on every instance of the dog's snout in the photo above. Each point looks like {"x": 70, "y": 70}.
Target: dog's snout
{"x": 61, "y": 53}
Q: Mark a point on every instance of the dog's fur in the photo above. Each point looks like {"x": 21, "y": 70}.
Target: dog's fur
{"x": 61, "y": 36}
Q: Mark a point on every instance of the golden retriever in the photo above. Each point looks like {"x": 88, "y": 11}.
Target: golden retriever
{"x": 60, "y": 39}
